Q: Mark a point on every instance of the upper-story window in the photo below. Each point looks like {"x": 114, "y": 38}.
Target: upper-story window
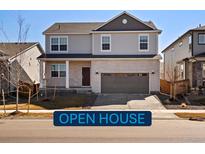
{"x": 180, "y": 44}
{"x": 59, "y": 43}
{"x": 201, "y": 38}
{"x": 190, "y": 43}
{"x": 143, "y": 42}
{"x": 190, "y": 40}
{"x": 105, "y": 42}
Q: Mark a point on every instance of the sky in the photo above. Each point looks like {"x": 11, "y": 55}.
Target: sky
{"x": 172, "y": 23}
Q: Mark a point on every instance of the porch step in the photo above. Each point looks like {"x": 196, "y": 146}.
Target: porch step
{"x": 59, "y": 92}
{"x": 64, "y": 91}
{"x": 85, "y": 90}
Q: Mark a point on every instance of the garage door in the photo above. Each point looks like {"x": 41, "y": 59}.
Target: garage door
{"x": 125, "y": 83}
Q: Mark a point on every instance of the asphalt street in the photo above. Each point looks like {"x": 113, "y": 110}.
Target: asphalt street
{"x": 172, "y": 130}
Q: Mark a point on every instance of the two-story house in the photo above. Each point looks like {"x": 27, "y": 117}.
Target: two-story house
{"x": 185, "y": 58}
{"x": 117, "y": 56}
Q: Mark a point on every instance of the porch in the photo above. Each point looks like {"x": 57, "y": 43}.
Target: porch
{"x": 64, "y": 75}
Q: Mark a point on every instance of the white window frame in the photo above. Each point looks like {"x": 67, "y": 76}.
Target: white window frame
{"x": 143, "y": 50}
{"x": 201, "y": 43}
{"x": 182, "y": 71}
{"x": 190, "y": 39}
{"x": 101, "y": 43}
{"x": 59, "y": 51}
{"x": 203, "y": 74}
{"x": 58, "y": 70}
{"x": 180, "y": 43}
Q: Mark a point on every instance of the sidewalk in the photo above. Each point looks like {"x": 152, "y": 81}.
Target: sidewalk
{"x": 156, "y": 114}
{"x": 153, "y": 111}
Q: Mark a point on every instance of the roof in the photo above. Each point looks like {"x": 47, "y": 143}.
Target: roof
{"x": 13, "y": 49}
{"x": 199, "y": 28}
{"x": 93, "y": 56}
{"x": 80, "y": 27}
{"x": 149, "y": 24}
{"x": 87, "y": 27}
{"x": 187, "y": 32}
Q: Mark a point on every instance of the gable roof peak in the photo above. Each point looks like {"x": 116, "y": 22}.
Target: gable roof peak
{"x": 149, "y": 25}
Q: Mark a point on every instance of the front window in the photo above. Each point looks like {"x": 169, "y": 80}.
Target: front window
{"x": 181, "y": 71}
{"x": 190, "y": 43}
{"x": 201, "y": 38}
{"x": 105, "y": 42}
{"x": 58, "y": 70}
{"x": 59, "y": 43}
{"x": 203, "y": 70}
{"x": 143, "y": 42}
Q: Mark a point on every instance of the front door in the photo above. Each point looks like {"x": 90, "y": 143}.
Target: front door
{"x": 86, "y": 76}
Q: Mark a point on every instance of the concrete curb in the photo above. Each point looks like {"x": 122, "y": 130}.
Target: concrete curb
{"x": 153, "y": 111}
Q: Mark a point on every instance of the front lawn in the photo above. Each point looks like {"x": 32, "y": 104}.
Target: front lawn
{"x": 191, "y": 115}
{"x": 195, "y": 102}
{"x": 71, "y": 101}
{"x": 26, "y": 116}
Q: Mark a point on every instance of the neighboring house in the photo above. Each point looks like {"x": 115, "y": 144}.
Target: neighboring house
{"x": 185, "y": 58}
{"x": 19, "y": 59}
{"x": 117, "y": 56}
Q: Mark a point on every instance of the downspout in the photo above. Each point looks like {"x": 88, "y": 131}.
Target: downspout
{"x": 192, "y": 44}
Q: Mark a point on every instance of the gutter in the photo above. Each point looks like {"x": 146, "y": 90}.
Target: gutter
{"x": 86, "y": 59}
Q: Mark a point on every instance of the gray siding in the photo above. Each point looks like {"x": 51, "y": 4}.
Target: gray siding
{"x": 125, "y": 44}
{"x": 197, "y": 48}
{"x": 172, "y": 57}
{"x": 79, "y": 43}
{"x": 117, "y": 25}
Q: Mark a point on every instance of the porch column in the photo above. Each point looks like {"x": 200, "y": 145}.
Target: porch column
{"x": 67, "y": 74}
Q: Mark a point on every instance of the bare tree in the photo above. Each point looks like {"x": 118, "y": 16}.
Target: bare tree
{"x": 173, "y": 75}
{"x": 14, "y": 65}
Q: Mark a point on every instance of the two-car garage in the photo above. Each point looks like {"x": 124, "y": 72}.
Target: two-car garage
{"x": 125, "y": 76}
{"x": 137, "y": 83}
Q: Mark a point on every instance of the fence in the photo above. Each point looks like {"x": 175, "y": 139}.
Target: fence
{"x": 180, "y": 87}
{"x": 165, "y": 86}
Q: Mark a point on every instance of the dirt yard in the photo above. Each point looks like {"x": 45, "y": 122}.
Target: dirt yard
{"x": 72, "y": 101}
{"x": 26, "y": 116}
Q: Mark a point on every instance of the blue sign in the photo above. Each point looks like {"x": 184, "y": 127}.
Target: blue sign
{"x": 102, "y": 118}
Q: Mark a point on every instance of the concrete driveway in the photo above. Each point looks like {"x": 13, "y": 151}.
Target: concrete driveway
{"x": 128, "y": 101}
{"x": 132, "y": 102}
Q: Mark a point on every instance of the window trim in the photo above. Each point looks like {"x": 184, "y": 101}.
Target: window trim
{"x": 182, "y": 71}
{"x": 59, "y": 51}
{"x": 58, "y": 70}
{"x": 101, "y": 43}
{"x": 180, "y": 43}
{"x": 203, "y": 64}
{"x": 198, "y": 38}
{"x": 143, "y": 50}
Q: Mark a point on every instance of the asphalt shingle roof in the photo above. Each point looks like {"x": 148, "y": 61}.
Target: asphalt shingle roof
{"x": 12, "y": 49}
{"x": 61, "y": 28}
{"x": 73, "y": 27}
